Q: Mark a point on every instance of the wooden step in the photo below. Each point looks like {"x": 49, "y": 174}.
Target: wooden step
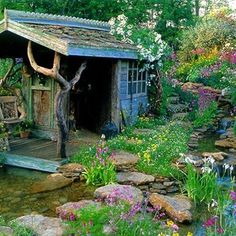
{"x": 32, "y": 163}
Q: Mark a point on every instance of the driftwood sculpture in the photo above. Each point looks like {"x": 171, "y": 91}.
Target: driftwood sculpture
{"x": 64, "y": 88}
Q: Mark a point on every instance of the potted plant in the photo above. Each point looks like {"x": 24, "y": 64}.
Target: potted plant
{"x": 24, "y": 128}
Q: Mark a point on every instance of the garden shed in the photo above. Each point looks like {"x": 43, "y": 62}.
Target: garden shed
{"x": 110, "y": 83}
{"x": 111, "y": 88}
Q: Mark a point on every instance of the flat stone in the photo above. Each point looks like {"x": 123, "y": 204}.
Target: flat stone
{"x": 6, "y": 231}
{"x": 179, "y": 116}
{"x": 176, "y": 108}
{"x": 124, "y": 160}
{"x": 54, "y": 181}
{"x": 119, "y": 192}
{"x": 172, "y": 189}
{"x": 178, "y": 207}
{"x": 226, "y": 143}
{"x": 158, "y": 186}
{"x": 232, "y": 150}
{"x": 135, "y": 178}
{"x": 71, "y": 170}
{"x": 173, "y": 99}
{"x": 218, "y": 156}
{"x": 167, "y": 184}
{"x": 71, "y": 207}
{"x": 42, "y": 225}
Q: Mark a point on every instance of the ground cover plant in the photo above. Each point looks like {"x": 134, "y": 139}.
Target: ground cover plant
{"x": 118, "y": 217}
{"x": 18, "y": 230}
{"x": 157, "y": 148}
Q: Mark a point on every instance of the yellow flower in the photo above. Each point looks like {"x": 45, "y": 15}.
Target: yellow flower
{"x": 147, "y": 156}
{"x": 161, "y": 234}
{"x": 169, "y": 223}
{"x": 175, "y": 234}
{"x": 189, "y": 234}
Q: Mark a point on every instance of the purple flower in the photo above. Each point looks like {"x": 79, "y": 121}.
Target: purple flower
{"x": 72, "y": 217}
{"x": 210, "y": 222}
{"x": 233, "y": 195}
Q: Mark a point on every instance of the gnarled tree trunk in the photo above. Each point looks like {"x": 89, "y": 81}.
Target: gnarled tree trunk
{"x": 65, "y": 87}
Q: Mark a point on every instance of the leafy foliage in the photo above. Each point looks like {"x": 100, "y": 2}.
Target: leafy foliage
{"x": 206, "y": 117}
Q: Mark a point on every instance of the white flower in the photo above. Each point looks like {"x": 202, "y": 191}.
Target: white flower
{"x": 226, "y": 166}
{"x": 206, "y": 169}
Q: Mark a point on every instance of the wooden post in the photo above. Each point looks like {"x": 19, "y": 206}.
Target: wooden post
{"x": 115, "y": 94}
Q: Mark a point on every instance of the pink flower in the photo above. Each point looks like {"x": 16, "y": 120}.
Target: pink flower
{"x": 220, "y": 230}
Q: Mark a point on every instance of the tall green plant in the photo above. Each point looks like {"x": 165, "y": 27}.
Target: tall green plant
{"x": 200, "y": 187}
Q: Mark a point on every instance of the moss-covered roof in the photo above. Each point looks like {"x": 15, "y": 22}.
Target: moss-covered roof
{"x": 68, "y": 35}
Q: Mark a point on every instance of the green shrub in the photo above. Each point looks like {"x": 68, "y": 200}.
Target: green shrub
{"x": 206, "y": 117}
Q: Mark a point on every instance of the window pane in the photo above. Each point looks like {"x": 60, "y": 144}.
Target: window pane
{"x": 140, "y": 75}
{"x": 139, "y": 87}
{"x": 130, "y": 75}
{"x": 144, "y": 75}
{"x": 129, "y": 88}
{"x": 134, "y": 75}
{"x": 134, "y": 88}
{"x": 130, "y": 64}
{"x": 143, "y": 87}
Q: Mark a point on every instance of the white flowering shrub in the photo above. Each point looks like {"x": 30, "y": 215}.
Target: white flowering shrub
{"x": 151, "y": 47}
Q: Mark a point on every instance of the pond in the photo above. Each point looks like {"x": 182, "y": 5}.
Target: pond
{"x": 16, "y": 198}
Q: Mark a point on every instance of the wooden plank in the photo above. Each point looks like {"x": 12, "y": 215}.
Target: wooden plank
{"x": 32, "y": 163}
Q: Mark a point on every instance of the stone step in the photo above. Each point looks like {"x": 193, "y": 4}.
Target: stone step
{"x": 179, "y": 116}
{"x": 135, "y": 178}
{"x": 175, "y": 108}
{"x": 124, "y": 160}
{"x": 173, "y": 100}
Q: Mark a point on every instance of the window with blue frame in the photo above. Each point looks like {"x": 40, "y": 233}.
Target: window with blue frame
{"x": 137, "y": 79}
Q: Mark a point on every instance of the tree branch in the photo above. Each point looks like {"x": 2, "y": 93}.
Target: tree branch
{"x": 36, "y": 67}
{"x": 77, "y": 77}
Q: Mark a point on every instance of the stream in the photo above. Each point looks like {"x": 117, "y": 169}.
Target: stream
{"x": 16, "y": 198}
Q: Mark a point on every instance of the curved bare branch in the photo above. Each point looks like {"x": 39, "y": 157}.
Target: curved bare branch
{"x": 78, "y": 74}
{"x": 36, "y": 67}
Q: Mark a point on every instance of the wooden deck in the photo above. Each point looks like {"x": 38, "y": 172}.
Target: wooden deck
{"x": 40, "y": 154}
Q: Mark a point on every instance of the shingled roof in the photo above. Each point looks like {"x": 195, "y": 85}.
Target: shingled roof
{"x": 69, "y": 36}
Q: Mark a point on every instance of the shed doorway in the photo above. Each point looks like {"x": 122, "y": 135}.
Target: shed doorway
{"x": 90, "y": 101}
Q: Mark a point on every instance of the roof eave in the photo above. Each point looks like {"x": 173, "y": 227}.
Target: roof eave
{"x": 39, "y": 38}
{"x": 2, "y": 26}
{"x": 102, "y": 52}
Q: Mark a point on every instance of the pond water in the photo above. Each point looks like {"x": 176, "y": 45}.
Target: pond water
{"x": 16, "y": 198}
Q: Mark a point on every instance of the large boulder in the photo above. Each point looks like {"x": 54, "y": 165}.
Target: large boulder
{"x": 42, "y": 225}
{"x": 71, "y": 207}
{"x": 116, "y": 192}
{"x": 226, "y": 143}
{"x": 6, "y": 231}
{"x": 135, "y": 178}
{"x": 178, "y": 207}
{"x": 71, "y": 170}
{"x": 124, "y": 160}
{"x": 218, "y": 156}
{"x": 54, "y": 181}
